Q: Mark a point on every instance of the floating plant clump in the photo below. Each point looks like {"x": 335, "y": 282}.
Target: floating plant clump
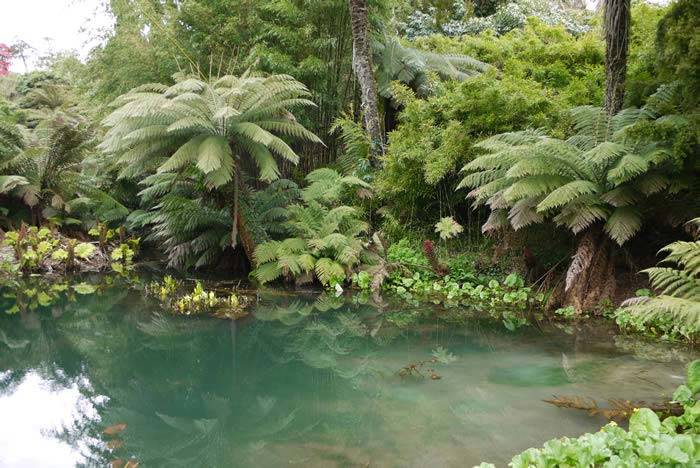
{"x": 199, "y": 301}
{"x": 423, "y": 369}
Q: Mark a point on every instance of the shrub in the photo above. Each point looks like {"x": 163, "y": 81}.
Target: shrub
{"x": 324, "y": 237}
{"x": 436, "y": 135}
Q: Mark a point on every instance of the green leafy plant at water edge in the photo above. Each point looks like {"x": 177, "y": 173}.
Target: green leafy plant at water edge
{"x": 648, "y": 442}
{"x": 199, "y": 301}
{"x": 122, "y": 258}
{"x": 463, "y": 290}
{"x": 675, "y": 312}
{"x": 567, "y": 312}
{"x": 31, "y": 250}
{"x": 508, "y": 300}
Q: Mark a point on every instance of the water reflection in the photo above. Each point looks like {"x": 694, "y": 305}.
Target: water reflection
{"x": 306, "y": 380}
{"x": 47, "y": 421}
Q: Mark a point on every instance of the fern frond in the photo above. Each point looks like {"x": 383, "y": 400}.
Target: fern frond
{"x": 624, "y": 222}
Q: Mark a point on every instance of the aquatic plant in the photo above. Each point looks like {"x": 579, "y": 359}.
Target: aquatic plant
{"x": 508, "y": 300}
{"x": 199, "y": 301}
{"x": 30, "y": 249}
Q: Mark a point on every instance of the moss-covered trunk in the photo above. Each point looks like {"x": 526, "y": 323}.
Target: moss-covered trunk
{"x": 362, "y": 65}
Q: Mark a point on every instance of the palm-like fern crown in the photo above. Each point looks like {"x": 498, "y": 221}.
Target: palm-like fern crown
{"x": 208, "y": 124}
{"x": 600, "y": 174}
{"x": 324, "y": 235}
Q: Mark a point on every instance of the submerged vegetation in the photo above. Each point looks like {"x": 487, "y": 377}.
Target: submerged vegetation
{"x": 649, "y": 441}
{"x": 518, "y": 160}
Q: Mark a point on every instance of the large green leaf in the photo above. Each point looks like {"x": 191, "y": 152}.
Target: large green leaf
{"x": 186, "y": 154}
{"x": 645, "y": 421}
{"x": 567, "y": 193}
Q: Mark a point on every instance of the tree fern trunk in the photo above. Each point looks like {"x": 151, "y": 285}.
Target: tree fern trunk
{"x": 240, "y": 229}
{"x": 590, "y": 278}
{"x": 617, "y": 27}
{"x": 362, "y": 65}
{"x": 246, "y": 237}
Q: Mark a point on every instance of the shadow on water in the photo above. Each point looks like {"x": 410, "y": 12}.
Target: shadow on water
{"x": 89, "y": 376}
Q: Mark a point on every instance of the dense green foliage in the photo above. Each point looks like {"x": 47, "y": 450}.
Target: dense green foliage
{"x": 676, "y": 310}
{"x": 211, "y": 157}
{"x": 678, "y": 48}
{"x": 436, "y": 137}
{"x": 204, "y": 133}
{"x": 227, "y": 134}
{"x": 324, "y": 235}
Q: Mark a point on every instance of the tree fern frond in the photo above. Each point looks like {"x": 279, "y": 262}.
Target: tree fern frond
{"x": 624, "y": 222}
{"x": 533, "y": 186}
{"x": 567, "y": 193}
{"x": 629, "y": 167}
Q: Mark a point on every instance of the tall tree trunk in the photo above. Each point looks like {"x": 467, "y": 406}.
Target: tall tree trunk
{"x": 362, "y": 65}
{"x": 617, "y": 29}
{"x": 590, "y": 278}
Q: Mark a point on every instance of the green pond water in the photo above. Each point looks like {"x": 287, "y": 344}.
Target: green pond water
{"x": 303, "y": 381}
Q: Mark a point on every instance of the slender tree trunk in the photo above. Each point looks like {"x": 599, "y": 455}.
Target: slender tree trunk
{"x": 617, "y": 28}
{"x": 590, "y": 278}
{"x": 362, "y": 65}
{"x": 240, "y": 228}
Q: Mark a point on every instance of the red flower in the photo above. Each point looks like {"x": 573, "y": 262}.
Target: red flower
{"x": 5, "y": 59}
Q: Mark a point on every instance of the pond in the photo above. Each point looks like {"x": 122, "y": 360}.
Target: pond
{"x": 304, "y": 380}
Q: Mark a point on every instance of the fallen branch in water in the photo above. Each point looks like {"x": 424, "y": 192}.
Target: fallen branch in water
{"x": 617, "y": 409}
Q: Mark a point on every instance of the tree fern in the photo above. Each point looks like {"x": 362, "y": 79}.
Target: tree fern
{"x": 324, "y": 237}
{"x": 678, "y": 284}
{"x": 210, "y": 130}
{"x": 603, "y": 173}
